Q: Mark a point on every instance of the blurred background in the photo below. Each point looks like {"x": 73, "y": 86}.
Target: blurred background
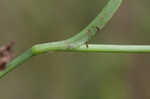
{"x": 65, "y": 75}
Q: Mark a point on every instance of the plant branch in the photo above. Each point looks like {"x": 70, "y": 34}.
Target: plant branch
{"x": 107, "y": 48}
{"x": 98, "y": 48}
{"x": 72, "y": 44}
{"x": 82, "y": 37}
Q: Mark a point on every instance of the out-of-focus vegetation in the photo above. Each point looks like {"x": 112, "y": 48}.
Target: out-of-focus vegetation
{"x": 75, "y": 75}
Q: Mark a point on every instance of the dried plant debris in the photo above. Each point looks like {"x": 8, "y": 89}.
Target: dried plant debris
{"x": 6, "y": 55}
{"x": 86, "y": 43}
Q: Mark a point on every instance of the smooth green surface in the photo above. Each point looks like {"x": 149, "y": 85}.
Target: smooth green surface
{"x": 91, "y": 48}
{"x": 107, "y": 48}
{"x": 17, "y": 62}
{"x": 75, "y": 75}
{"x": 97, "y": 24}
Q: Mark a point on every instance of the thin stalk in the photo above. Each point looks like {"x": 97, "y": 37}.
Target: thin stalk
{"x": 17, "y": 62}
{"x": 108, "y": 48}
{"x": 71, "y": 44}
{"x": 82, "y": 37}
{"x": 98, "y": 48}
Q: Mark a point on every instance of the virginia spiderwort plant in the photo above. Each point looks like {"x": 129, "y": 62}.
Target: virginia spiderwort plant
{"x": 79, "y": 42}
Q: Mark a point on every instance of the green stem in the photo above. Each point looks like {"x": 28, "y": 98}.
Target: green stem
{"x": 72, "y": 43}
{"x": 80, "y": 38}
{"x": 99, "y": 48}
{"x": 17, "y": 62}
{"x": 107, "y": 48}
